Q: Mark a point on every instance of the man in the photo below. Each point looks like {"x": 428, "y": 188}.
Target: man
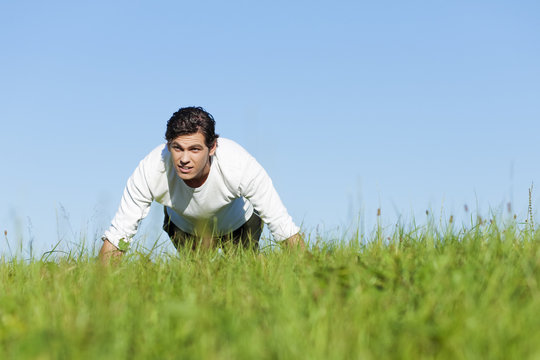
{"x": 214, "y": 193}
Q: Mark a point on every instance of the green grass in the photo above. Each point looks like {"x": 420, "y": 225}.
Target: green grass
{"x": 422, "y": 293}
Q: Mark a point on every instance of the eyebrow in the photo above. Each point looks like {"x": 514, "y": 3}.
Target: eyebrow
{"x": 174, "y": 143}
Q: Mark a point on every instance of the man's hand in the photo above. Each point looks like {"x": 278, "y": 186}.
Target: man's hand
{"x": 109, "y": 253}
{"x": 295, "y": 242}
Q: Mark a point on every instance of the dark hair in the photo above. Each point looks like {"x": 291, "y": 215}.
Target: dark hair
{"x": 190, "y": 120}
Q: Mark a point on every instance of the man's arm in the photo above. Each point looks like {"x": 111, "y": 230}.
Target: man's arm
{"x": 134, "y": 206}
{"x": 257, "y": 187}
{"x": 109, "y": 253}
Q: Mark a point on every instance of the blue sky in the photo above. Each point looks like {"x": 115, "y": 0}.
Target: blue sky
{"x": 349, "y": 105}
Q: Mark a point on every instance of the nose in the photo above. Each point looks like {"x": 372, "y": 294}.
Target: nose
{"x": 184, "y": 158}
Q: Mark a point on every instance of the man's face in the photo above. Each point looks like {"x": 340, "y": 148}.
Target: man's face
{"x": 191, "y": 158}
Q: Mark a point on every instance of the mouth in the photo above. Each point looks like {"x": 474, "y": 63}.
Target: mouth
{"x": 184, "y": 169}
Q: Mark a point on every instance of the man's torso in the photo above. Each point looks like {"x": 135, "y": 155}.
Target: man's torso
{"x": 216, "y": 206}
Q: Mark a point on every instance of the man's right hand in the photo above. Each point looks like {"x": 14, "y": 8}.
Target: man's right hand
{"x": 109, "y": 253}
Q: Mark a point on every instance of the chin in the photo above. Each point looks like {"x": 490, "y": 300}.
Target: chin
{"x": 183, "y": 176}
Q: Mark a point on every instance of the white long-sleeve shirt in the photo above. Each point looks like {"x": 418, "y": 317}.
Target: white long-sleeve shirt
{"x": 237, "y": 184}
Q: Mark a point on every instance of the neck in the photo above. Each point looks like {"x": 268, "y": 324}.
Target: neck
{"x": 199, "y": 181}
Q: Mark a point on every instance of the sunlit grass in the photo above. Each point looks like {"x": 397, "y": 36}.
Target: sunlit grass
{"x": 417, "y": 292}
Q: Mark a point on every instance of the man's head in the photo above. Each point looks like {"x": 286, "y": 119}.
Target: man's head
{"x": 191, "y": 120}
{"x": 191, "y": 140}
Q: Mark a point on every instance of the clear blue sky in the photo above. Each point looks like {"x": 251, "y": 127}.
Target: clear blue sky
{"x": 349, "y": 105}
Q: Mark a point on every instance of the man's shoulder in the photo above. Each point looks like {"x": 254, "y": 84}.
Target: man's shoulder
{"x": 232, "y": 160}
{"x": 157, "y": 158}
{"x": 228, "y": 148}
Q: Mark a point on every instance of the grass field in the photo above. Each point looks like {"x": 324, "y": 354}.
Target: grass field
{"x": 413, "y": 294}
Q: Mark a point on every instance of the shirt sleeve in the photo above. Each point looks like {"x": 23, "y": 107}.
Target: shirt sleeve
{"x": 134, "y": 206}
{"x": 257, "y": 187}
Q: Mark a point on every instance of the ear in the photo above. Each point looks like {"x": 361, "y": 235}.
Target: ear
{"x": 213, "y": 148}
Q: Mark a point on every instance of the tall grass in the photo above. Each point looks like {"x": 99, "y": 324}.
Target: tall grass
{"x": 423, "y": 292}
